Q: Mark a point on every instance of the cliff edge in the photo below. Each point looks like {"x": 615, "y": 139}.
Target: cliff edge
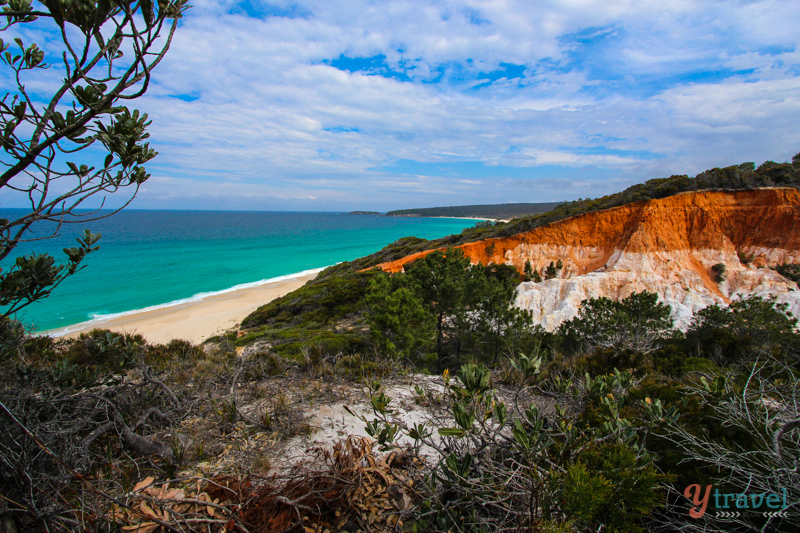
{"x": 669, "y": 246}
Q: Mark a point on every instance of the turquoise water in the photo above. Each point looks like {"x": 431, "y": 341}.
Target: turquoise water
{"x": 153, "y": 258}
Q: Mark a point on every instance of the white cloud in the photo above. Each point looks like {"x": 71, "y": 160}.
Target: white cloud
{"x": 617, "y": 92}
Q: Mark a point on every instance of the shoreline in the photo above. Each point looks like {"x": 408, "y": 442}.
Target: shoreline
{"x": 196, "y": 318}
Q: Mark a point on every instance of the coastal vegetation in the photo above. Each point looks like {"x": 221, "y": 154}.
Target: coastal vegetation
{"x": 605, "y": 424}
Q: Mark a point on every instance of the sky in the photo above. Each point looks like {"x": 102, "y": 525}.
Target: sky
{"x": 343, "y": 105}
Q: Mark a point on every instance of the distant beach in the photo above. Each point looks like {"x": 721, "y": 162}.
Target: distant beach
{"x": 161, "y": 272}
{"x": 195, "y": 320}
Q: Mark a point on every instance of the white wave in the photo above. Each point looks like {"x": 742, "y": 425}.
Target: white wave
{"x": 98, "y": 318}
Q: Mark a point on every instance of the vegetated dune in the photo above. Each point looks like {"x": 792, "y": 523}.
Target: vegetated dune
{"x": 669, "y": 246}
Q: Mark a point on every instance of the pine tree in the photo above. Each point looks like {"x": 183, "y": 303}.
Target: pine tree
{"x": 551, "y": 271}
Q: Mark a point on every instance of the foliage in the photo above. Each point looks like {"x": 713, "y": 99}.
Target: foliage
{"x": 468, "y": 307}
{"x": 510, "y": 466}
{"x": 311, "y": 317}
{"x": 12, "y": 336}
{"x": 440, "y": 279}
{"x": 399, "y": 324}
{"x": 611, "y": 485}
{"x": 319, "y": 303}
{"x": 744, "y": 325}
{"x": 719, "y": 272}
{"x": 551, "y": 271}
{"x": 42, "y": 133}
{"x": 762, "y": 456}
{"x": 32, "y": 277}
{"x": 789, "y": 271}
{"x": 637, "y": 322}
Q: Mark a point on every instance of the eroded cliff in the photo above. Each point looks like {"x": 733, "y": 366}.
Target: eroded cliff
{"x": 667, "y": 246}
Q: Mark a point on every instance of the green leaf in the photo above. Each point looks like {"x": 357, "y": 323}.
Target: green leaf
{"x": 147, "y": 10}
{"x": 451, "y": 432}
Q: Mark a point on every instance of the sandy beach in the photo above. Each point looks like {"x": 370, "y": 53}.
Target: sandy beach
{"x": 193, "y": 321}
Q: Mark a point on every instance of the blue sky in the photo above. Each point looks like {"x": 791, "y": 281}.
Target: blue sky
{"x": 340, "y": 105}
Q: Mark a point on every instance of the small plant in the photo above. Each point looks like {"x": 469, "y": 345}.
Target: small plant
{"x": 178, "y": 448}
{"x": 200, "y": 449}
{"x": 718, "y": 271}
{"x": 744, "y": 258}
{"x": 420, "y": 395}
{"x": 266, "y": 419}
{"x": 227, "y": 412}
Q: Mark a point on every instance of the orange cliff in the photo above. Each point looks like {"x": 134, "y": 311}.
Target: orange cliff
{"x": 668, "y": 246}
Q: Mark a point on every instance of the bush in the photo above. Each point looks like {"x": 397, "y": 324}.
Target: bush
{"x": 789, "y": 271}
{"x": 718, "y": 272}
{"x": 105, "y": 350}
{"x": 745, "y": 325}
{"x": 639, "y": 323}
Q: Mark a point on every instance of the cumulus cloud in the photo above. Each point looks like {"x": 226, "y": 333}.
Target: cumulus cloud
{"x": 340, "y": 105}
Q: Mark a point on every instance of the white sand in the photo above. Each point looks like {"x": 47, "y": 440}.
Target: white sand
{"x": 193, "y": 321}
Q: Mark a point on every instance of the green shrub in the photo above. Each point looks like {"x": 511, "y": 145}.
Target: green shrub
{"x": 746, "y": 325}
{"x": 175, "y": 351}
{"x": 639, "y": 322}
{"x": 789, "y": 271}
{"x": 611, "y": 486}
{"x": 106, "y": 350}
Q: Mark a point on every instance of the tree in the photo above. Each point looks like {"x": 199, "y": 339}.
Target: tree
{"x": 493, "y": 321}
{"x": 399, "y": 323}
{"x": 528, "y": 271}
{"x": 551, "y": 271}
{"x": 749, "y": 323}
{"x": 638, "y": 322}
{"x": 441, "y": 279}
{"x": 109, "y": 52}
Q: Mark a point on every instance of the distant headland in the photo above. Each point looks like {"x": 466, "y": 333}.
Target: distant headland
{"x": 491, "y": 211}
{"x": 494, "y": 211}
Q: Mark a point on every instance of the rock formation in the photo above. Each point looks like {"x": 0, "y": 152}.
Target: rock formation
{"x": 672, "y": 246}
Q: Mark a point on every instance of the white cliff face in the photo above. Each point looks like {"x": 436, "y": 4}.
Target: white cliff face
{"x": 673, "y": 275}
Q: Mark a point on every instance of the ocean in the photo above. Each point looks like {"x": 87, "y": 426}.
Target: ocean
{"x": 159, "y": 258}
